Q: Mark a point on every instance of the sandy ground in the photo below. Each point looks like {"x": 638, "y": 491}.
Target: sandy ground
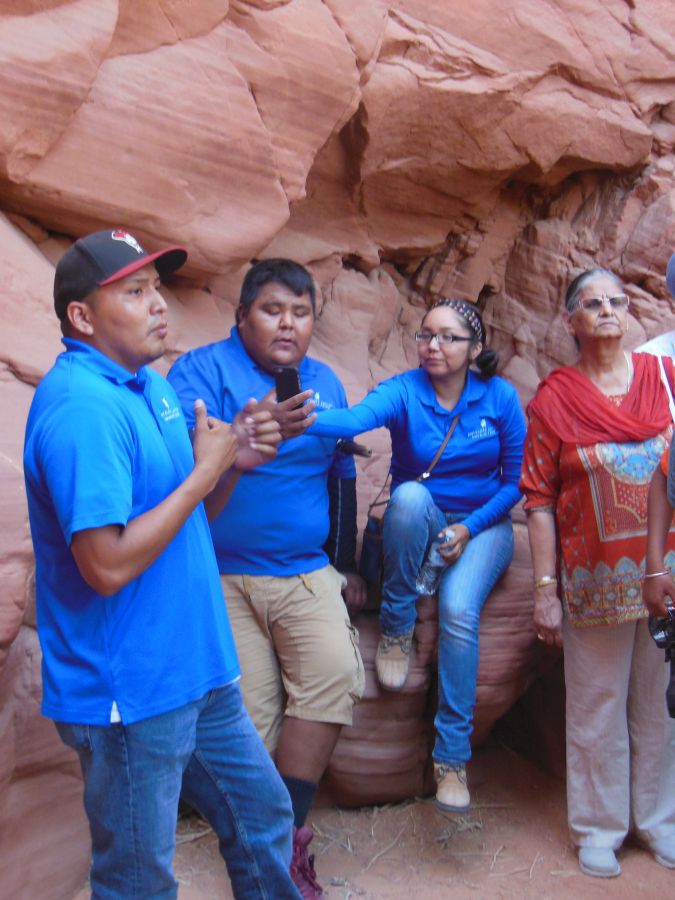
{"x": 513, "y": 844}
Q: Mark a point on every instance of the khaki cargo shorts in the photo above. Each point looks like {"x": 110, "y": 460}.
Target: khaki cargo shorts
{"x": 298, "y": 651}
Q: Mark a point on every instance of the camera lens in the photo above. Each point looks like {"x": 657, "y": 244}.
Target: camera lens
{"x": 659, "y": 630}
{"x": 663, "y": 630}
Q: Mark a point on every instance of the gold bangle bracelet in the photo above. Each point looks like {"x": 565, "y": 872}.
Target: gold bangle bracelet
{"x": 545, "y": 580}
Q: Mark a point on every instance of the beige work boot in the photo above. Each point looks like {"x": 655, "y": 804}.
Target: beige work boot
{"x": 392, "y": 660}
{"x": 452, "y": 794}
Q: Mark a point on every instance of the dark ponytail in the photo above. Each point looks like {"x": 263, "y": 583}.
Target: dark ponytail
{"x": 487, "y": 362}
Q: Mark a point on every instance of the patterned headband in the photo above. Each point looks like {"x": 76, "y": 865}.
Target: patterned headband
{"x": 467, "y": 312}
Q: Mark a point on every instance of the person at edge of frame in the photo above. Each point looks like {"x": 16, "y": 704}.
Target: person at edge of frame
{"x": 659, "y": 585}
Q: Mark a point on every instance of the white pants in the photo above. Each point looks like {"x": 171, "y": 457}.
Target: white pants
{"x": 620, "y": 739}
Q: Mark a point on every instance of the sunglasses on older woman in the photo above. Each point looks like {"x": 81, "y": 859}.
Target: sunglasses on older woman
{"x": 594, "y": 304}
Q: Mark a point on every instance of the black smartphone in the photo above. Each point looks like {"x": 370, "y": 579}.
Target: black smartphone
{"x": 287, "y": 380}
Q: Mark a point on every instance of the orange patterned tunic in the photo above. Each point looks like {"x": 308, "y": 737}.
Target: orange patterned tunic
{"x": 598, "y": 493}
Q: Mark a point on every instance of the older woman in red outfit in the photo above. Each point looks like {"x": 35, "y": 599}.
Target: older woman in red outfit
{"x": 596, "y": 433}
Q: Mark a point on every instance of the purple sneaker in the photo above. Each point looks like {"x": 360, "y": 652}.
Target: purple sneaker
{"x": 302, "y": 865}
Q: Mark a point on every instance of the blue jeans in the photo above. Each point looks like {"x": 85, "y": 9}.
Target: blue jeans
{"x": 132, "y": 781}
{"x": 411, "y": 523}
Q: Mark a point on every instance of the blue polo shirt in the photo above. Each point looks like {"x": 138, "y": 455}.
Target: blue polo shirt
{"x": 103, "y": 446}
{"x": 276, "y": 521}
{"x": 477, "y": 474}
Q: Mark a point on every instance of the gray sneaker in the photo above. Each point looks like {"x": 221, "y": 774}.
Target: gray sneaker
{"x": 599, "y": 862}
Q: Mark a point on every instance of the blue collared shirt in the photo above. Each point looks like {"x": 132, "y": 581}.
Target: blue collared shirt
{"x": 103, "y": 446}
{"x": 477, "y": 475}
{"x": 276, "y": 521}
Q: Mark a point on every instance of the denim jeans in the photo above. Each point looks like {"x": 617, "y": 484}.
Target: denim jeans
{"x": 132, "y": 781}
{"x": 411, "y": 523}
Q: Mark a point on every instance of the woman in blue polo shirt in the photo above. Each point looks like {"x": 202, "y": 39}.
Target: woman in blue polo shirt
{"x": 472, "y": 488}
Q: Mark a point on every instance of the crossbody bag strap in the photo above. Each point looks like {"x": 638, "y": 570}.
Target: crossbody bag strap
{"x": 424, "y": 475}
{"x": 427, "y": 473}
{"x": 377, "y": 501}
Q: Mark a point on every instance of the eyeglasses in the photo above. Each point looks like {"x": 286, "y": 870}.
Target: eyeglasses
{"x": 594, "y": 304}
{"x": 442, "y": 338}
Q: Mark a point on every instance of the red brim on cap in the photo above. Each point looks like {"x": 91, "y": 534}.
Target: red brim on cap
{"x": 171, "y": 259}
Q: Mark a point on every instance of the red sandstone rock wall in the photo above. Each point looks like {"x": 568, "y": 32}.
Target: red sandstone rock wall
{"x": 403, "y": 150}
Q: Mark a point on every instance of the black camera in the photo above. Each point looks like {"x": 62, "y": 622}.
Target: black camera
{"x": 663, "y": 633}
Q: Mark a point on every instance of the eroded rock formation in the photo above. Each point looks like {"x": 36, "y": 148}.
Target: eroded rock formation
{"x": 403, "y": 150}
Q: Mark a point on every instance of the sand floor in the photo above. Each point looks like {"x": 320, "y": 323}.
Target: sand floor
{"x": 513, "y": 844}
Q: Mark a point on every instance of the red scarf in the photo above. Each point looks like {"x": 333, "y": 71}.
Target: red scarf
{"x": 579, "y": 413}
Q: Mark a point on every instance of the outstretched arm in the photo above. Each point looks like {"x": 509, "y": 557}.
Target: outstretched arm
{"x": 383, "y": 406}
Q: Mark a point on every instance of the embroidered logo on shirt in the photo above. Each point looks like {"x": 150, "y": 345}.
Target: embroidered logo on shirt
{"x": 169, "y": 413}
{"x": 322, "y": 404}
{"x": 485, "y": 430}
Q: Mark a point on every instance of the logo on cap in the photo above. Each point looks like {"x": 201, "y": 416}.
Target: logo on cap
{"x": 128, "y": 239}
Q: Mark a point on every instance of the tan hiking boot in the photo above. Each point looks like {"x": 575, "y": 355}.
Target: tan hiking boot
{"x": 392, "y": 660}
{"x": 452, "y": 793}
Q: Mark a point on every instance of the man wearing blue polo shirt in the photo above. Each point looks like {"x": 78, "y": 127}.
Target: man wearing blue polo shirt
{"x": 140, "y": 671}
{"x": 301, "y": 669}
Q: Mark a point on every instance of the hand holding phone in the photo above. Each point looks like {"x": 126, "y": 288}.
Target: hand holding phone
{"x": 293, "y": 418}
{"x": 287, "y": 381}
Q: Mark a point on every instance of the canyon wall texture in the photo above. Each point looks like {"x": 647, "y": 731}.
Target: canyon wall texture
{"x": 404, "y": 151}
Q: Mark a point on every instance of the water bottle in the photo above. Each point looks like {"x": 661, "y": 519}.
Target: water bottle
{"x": 434, "y": 565}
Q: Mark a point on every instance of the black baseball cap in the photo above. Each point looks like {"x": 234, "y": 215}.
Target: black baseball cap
{"x": 102, "y": 258}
